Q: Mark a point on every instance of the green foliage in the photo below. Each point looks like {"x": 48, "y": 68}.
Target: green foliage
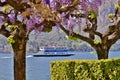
{"x": 72, "y": 38}
{"x": 12, "y": 26}
{"x": 116, "y": 6}
{"x": 96, "y": 41}
{"x": 111, "y": 27}
{"x": 111, "y": 15}
{"x": 86, "y": 69}
{"x": 6, "y": 8}
{"x": 6, "y": 24}
{"x": 64, "y": 6}
{"x": 92, "y": 14}
{"x": 10, "y": 39}
{"x": 93, "y": 52}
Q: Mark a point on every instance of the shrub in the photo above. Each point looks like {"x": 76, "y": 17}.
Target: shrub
{"x": 86, "y": 69}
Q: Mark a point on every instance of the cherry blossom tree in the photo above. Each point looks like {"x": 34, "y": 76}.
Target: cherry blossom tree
{"x": 19, "y": 17}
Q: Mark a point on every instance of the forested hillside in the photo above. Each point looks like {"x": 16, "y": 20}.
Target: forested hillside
{"x": 54, "y": 38}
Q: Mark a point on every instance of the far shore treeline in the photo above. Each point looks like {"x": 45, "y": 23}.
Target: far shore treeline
{"x": 52, "y": 39}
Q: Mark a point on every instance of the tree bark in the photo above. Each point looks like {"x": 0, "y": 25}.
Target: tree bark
{"x": 102, "y": 52}
{"x": 19, "y": 49}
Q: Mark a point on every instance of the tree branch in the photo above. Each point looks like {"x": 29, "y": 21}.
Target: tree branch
{"x": 19, "y": 7}
{"x": 115, "y": 35}
{"x": 4, "y": 32}
{"x": 114, "y": 28}
{"x": 88, "y": 40}
{"x": 110, "y": 31}
{"x": 2, "y": 4}
{"x": 78, "y": 15}
{"x": 114, "y": 38}
{"x": 90, "y": 31}
{"x": 3, "y": 14}
{"x": 65, "y": 9}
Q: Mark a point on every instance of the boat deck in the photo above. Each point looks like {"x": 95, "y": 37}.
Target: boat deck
{"x": 52, "y": 55}
{"x": 52, "y": 52}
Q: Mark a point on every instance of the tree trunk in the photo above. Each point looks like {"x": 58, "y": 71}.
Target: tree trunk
{"x": 102, "y": 52}
{"x": 19, "y": 49}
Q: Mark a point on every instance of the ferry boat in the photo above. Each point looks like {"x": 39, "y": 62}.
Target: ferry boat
{"x": 53, "y": 51}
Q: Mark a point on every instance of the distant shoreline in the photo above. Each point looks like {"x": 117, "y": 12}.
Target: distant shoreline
{"x": 7, "y": 52}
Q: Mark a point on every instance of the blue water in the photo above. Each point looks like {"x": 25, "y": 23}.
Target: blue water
{"x": 38, "y": 68}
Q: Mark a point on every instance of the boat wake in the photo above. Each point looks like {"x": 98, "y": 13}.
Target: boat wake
{"x": 5, "y": 57}
{"x": 12, "y": 57}
{"x": 29, "y": 56}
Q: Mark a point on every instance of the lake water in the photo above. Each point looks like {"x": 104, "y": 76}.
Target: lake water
{"x": 38, "y": 68}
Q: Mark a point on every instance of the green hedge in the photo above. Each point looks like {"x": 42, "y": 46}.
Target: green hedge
{"x": 85, "y": 69}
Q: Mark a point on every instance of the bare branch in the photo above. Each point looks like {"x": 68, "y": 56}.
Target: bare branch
{"x": 78, "y": 15}
{"x": 90, "y": 31}
{"x": 114, "y": 38}
{"x": 2, "y": 4}
{"x": 88, "y": 40}
{"x": 115, "y": 35}
{"x": 93, "y": 28}
{"x": 4, "y": 32}
{"x": 112, "y": 30}
{"x": 3, "y": 14}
